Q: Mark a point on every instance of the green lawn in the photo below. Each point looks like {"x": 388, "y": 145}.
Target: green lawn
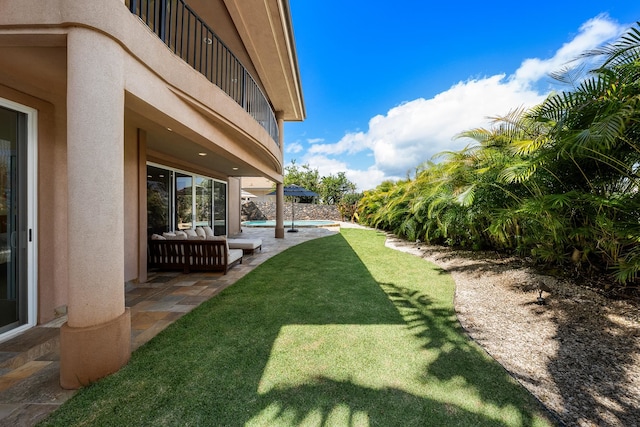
{"x": 338, "y": 331}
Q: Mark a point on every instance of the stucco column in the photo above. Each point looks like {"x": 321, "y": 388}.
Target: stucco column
{"x": 279, "y": 211}
{"x": 142, "y": 206}
{"x": 280, "y": 187}
{"x": 96, "y": 340}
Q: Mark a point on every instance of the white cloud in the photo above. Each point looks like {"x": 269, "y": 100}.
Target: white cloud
{"x": 593, "y": 33}
{"x": 415, "y": 131}
{"x": 293, "y": 147}
{"x": 351, "y": 143}
{"x": 315, "y": 140}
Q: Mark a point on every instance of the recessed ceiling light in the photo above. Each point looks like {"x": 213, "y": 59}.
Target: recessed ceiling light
{"x": 170, "y": 130}
{"x": 235, "y": 169}
{"x": 202, "y": 154}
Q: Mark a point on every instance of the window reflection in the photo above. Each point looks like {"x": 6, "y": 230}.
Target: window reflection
{"x": 184, "y": 201}
{"x": 220, "y": 208}
{"x": 159, "y": 186}
{"x": 179, "y": 201}
{"x": 203, "y": 201}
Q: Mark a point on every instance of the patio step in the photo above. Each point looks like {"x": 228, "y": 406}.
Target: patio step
{"x": 28, "y": 346}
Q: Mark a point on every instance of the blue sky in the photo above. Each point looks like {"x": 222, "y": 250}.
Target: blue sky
{"x": 388, "y": 84}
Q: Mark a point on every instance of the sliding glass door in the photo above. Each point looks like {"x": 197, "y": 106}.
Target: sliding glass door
{"x": 178, "y": 200}
{"x": 184, "y": 201}
{"x": 159, "y": 200}
{"x": 203, "y": 201}
{"x": 220, "y": 208}
{"x": 16, "y": 296}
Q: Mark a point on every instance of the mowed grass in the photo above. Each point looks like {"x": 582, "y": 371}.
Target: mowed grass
{"x": 338, "y": 331}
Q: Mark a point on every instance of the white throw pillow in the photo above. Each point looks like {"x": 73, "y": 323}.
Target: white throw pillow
{"x": 207, "y": 231}
{"x": 157, "y": 237}
{"x": 169, "y": 236}
{"x": 181, "y": 235}
{"x": 200, "y": 232}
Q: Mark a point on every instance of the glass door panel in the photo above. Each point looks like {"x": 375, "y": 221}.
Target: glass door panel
{"x": 178, "y": 200}
{"x": 159, "y": 200}
{"x": 13, "y": 219}
{"x": 203, "y": 201}
{"x": 219, "y": 208}
{"x": 184, "y": 201}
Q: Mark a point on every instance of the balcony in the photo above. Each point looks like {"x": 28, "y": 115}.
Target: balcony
{"x": 190, "y": 38}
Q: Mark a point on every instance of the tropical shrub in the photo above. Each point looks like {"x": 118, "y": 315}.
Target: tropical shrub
{"x": 558, "y": 182}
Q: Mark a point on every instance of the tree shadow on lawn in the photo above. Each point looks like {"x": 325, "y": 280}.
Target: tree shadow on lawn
{"x": 327, "y": 402}
{"x": 458, "y": 359}
{"x": 274, "y": 350}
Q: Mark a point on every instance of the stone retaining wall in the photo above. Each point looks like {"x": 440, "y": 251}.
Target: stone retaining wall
{"x": 302, "y": 211}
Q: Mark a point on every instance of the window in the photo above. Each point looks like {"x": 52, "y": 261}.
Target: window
{"x": 159, "y": 189}
{"x": 184, "y": 201}
{"x": 204, "y": 202}
{"x": 220, "y": 208}
{"x": 178, "y": 200}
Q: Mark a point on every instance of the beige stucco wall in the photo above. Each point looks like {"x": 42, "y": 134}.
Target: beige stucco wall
{"x": 131, "y": 203}
{"x": 53, "y": 228}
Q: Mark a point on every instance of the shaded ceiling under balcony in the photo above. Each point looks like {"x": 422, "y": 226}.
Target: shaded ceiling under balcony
{"x": 166, "y": 140}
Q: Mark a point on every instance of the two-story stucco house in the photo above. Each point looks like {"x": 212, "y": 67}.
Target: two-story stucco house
{"x": 118, "y": 119}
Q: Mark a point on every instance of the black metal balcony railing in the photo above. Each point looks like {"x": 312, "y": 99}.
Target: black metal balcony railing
{"x": 180, "y": 28}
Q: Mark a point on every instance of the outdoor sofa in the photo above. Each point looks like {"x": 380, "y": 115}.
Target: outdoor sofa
{"x": 182, "y": 250}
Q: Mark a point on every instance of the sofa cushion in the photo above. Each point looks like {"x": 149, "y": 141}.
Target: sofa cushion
{"x": 207, "y": 231}
{"x": 181, "y": 235}
{"x": 245, "y": 244}
{"x": 234, "y": 255}
{"x": 169, "y": 236}
{"x": 200, "y": 232}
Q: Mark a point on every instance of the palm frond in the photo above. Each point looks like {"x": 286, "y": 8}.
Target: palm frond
{"x": 466, "y": 197}
{"x": 518, "y": 172}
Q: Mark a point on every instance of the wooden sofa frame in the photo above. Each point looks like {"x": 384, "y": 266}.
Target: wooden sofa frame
{"x": 190, "y": 255}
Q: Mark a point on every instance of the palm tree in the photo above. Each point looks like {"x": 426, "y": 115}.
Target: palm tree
{"x": 595, "y": 131}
